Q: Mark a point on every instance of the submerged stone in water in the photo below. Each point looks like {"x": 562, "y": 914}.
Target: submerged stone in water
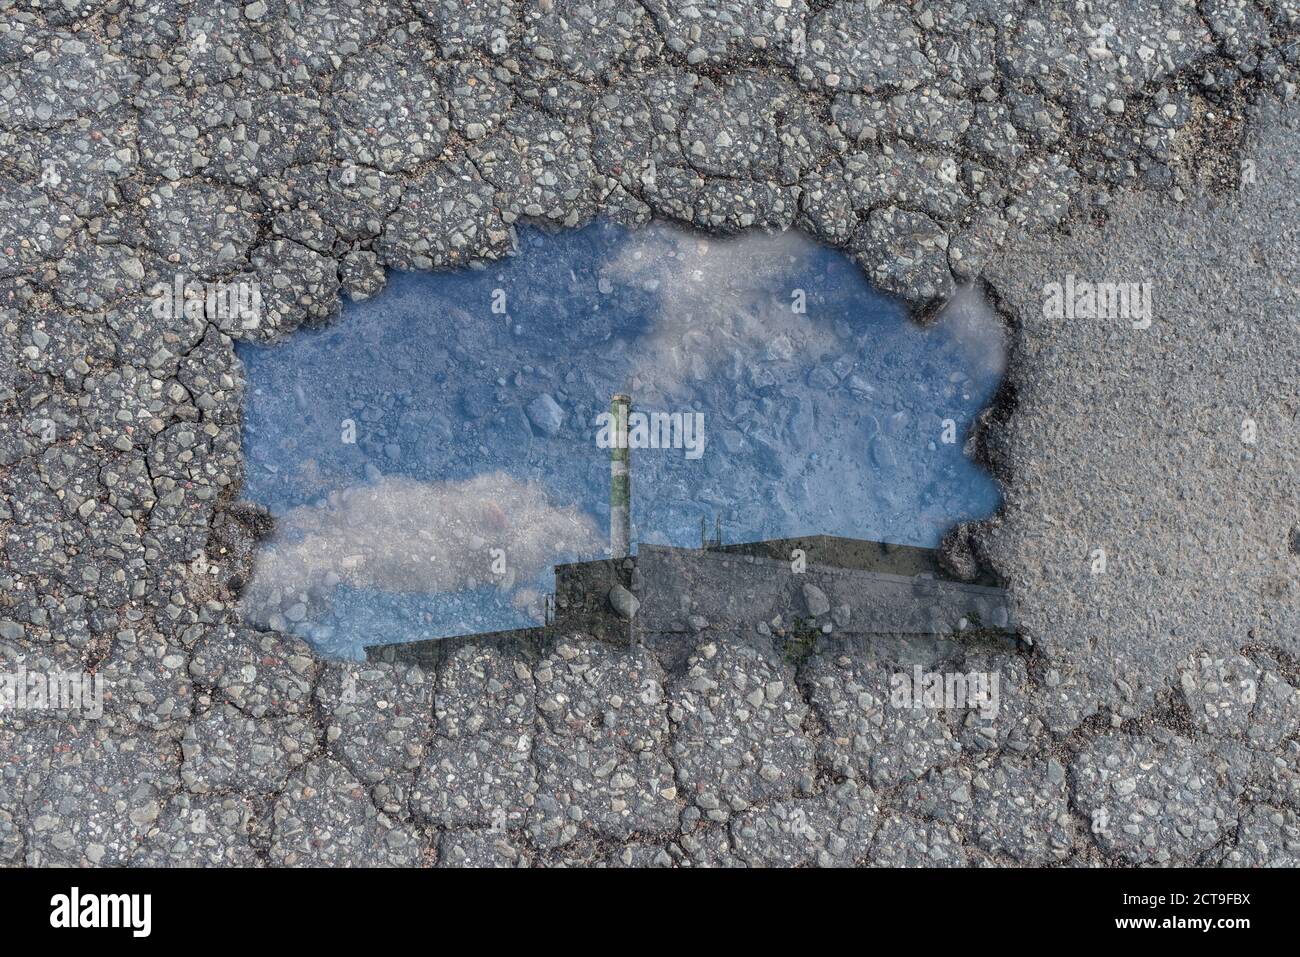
{"x": 623, "y": 602}
{"x": 545, "y": 413}
{"x": 816, "y": 600}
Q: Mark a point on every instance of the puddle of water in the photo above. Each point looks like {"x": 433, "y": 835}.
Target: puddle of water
{"x": 431, "y": 456}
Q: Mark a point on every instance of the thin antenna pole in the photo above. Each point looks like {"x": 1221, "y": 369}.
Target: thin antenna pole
{"x": 620, "y": 481}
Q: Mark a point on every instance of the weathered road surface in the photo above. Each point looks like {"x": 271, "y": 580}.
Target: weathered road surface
{"x": 1155, "y": 720}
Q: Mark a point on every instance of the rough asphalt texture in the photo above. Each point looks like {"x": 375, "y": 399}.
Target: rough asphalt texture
{"x": 308, "y": 146}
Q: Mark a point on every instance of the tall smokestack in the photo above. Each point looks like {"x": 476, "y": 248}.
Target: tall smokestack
{"x": 620, "y": 480}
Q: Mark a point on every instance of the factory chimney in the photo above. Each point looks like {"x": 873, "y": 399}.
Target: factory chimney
{"x": 620, "y": 480}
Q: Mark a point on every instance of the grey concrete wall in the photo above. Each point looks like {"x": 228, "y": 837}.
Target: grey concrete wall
{"x": 729, "y": 590}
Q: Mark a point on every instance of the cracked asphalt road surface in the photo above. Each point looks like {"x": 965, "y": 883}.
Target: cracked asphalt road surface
{"x": 308, "y": 148}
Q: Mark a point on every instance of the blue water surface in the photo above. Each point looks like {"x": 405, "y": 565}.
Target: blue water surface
{"x": 430, "y": 455}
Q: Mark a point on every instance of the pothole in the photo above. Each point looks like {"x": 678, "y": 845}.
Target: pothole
{"x": 431, "y": 456}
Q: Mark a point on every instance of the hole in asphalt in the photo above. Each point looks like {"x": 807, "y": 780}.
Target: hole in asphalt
{"x": 432, "y": 455}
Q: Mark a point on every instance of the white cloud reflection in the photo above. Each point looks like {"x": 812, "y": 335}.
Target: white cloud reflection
{"x": 404, "y": 536}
